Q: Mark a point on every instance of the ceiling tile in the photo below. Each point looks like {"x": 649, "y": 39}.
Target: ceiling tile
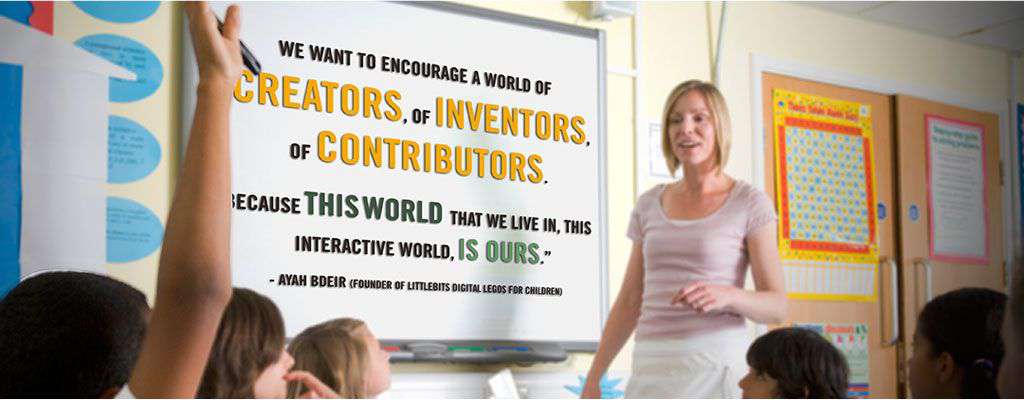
{"x": 1008, "y": 36}
{"x": 845, "y": 7}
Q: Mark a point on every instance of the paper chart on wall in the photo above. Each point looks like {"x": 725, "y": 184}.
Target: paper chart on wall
{"x": 958, "y": 220}
{"x": 824, "y": 183}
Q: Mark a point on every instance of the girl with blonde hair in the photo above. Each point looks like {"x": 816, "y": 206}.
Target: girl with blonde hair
{"x": 344, "y": 355}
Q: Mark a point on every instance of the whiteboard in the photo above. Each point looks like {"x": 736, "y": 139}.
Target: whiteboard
{"x": 531, "y": 153}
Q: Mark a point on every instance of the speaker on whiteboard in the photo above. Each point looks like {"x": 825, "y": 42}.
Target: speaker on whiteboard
{"x": 607, "y": 10}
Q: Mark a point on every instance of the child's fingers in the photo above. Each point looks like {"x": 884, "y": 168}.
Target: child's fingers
{"x": 232, "y": 23}
{"x": 316, "y": 388}
{"x": 202, "y": 23}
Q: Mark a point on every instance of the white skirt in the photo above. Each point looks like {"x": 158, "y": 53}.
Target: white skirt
{"x": 709, "y": 365}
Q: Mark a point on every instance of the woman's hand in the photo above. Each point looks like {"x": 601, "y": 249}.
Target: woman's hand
{"x": 317, "y": 389}
{"x": 705, "y": 297}
{"x": 217, "y": 53}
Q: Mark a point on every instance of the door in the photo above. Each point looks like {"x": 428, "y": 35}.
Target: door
{"x": 950, "y": 202}
{"x": 877, "y": 311}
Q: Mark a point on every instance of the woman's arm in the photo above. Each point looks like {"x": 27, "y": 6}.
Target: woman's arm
{"x": 194, "y": 279}
{"x": 622, "y": 321}
{"x": 766, "y": 304}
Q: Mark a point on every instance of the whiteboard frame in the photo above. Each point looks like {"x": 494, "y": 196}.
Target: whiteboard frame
{"x": 189, "y": 80}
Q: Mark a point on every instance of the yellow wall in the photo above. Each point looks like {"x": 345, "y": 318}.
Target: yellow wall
{"x": 677, "y": 43}
{"x": 158, "y": 113}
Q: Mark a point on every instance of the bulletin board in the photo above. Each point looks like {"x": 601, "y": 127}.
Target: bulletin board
{"x": 828, "y": 235}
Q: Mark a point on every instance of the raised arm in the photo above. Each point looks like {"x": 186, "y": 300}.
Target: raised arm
{"x": 194, "y": 280}
{"x": 622, "y": 320}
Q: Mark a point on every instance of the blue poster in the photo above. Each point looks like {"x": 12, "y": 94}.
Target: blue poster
{"x": 131, "y": 55}
{"x": 121, "y": 12}
{"x": 10, "y": 176}
{"x": 132, "y": 151}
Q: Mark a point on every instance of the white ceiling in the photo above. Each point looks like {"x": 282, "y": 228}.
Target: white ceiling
{"x": 987, "y": 23}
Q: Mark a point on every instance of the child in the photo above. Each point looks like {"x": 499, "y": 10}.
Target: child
{"x": 248, "y": 359}
{"x": 194, "y": 278}
{"x": 345, "y": 355}
{"x": 70, "y": 334}
{"x": 794, "y": 363}
{"x": 957, "y": 348}
{"x": 1011, "y": 386}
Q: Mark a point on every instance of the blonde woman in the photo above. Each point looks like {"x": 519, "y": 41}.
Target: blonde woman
{"x": 693, "y": 239}
{"x": 343, "y": 354}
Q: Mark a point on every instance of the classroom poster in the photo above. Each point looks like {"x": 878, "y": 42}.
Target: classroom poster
{"x": 140, "y": 125}
{"x": 57, "y": 211}
{"x": 958, "y": 220}
{"x": 825, "y": 192}
{"x": 852, "y": 341}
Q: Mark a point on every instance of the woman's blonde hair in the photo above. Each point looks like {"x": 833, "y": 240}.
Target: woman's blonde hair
{"x": 719, "y": 114}
{"x": 336, "y": 353}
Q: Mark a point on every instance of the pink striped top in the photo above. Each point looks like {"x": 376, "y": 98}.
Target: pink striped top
{"x": 712, "y": 249}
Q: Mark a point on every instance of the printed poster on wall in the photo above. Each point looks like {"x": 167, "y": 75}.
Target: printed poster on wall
{"x": 852, "y": 341}
{"x": 956, "y": 191}
{"x": 828, "y": 238}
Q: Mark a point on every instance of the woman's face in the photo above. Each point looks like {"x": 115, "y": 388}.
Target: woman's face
{"x": 692, "y": 130}
{"x": 757, "y": 385}
{"x": 378, "y": 378}
{"x": 270, "y": 384}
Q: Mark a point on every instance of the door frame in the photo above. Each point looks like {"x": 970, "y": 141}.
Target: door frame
{"x": 760, "y": 63}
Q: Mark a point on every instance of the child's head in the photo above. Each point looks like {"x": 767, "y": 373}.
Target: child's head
{"x": 70, "y": 334}
{"x": 794, "y": 363}
{"x": 1010, "y": 384}
{"x": 248, "y": 358}
{"x": 343, "y": 354}
{"x": 957, "y": 348}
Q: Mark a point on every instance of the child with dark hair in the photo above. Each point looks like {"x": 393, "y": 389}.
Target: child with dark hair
{"x": 248, "y": 359}
{"x": 957, "y": 348}
{"x": 70, "y": 334}
{"x": 794, "y": 363}
{"x": 1011, "y": 371}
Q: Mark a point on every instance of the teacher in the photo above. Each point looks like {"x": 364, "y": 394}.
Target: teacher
{"x": 683, "y": 291}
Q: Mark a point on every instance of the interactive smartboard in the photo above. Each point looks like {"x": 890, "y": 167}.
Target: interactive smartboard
{"x": 433, "y": 169}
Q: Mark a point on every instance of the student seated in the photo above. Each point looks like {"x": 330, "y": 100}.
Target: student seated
{"x": 70, "y": 334}
{"x": 1010, "y": 384}
{"x": 248, "y": 358}
{"x": 794, "y": 363}
{"x": 957, "y": 347}
{"x": 343, "y": 354}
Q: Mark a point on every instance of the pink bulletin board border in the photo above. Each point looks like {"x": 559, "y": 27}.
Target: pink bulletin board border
{"x": 953, "y": 258}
